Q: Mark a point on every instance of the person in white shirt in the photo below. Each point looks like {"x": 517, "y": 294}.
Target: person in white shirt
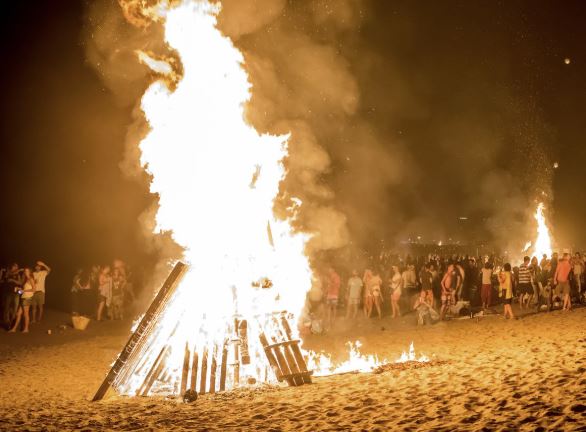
{"x": 486, "y": 290}
{"x": 38, "y": 301}
{"x": 354, "y": 294}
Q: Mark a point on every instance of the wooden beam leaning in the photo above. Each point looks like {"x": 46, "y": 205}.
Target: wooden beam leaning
{"x": 301, "y": 363}
{"x": 139, "y": 335}
{"x": 185, "y": 373}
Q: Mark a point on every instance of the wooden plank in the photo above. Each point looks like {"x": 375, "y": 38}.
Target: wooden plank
{"x": 270, "y": 357}
{"x": 204, "y": 371}
{"x": 194, "y": 367}
{"x": 185, "y": 373}
{"x": 301, "y": 363}
{"x": 224, "y": 365}
{"x": 214, "y": 368}
{"x": 137, "y": 338}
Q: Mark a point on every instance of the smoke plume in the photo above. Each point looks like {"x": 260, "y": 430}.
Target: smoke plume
{"x": 398, "y": 129}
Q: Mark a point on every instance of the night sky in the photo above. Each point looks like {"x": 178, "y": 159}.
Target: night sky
{"x": 449, "y": 63}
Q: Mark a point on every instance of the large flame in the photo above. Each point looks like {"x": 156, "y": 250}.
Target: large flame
{"x": 543, "y": 241}
{"x": 216, "y": 179}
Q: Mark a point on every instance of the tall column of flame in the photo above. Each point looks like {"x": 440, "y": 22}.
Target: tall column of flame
{"x": 543, "y": 241}
{"x": 216, "y": 179}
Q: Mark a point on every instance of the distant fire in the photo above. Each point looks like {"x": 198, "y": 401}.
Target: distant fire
{"x": 542, "y": 244}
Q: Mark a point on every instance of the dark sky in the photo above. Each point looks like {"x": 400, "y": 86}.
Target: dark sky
{"x": 449, "y": 63}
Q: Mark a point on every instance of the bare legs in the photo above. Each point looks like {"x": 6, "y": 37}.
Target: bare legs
{"x": 509, "y": 311}
{"x": 395, "y": 305}
{"x": 23, "y": 311}
{"x": 377, "y": 304}
{"x": 367, "y": 306}
{"x": 101, "y": 309}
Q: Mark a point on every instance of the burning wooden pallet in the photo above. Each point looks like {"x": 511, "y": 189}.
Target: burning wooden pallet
{"x": 215, "y": 365}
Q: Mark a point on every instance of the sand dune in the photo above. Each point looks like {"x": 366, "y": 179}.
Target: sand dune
{"x": 528, "y": 374}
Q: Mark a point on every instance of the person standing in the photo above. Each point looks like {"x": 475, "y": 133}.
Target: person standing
{"x": 536, "y": 282}
{"x": 368, "y": 301}
{"x": 506, "y": 290}
{"x": 396, "y": 283}
{"x": 105, "y": 292}
{"x": 486, "y": 290}
{"x": 354, "y": 294}
{"x": 562, "y": 280}
{"x": 14, "y": 281}
{"x": 578, "y": 269}
{"x": 426, "y": 279}
{"x": 41, "y": 272}
{"x": 450, "y": 282}
{"x": 27, "y": 293}
{"x": 332, "y": 294}
{"x": 525, "y": 287}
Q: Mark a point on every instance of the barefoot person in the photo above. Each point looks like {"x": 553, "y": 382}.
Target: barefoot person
{"x": 525, "y": 287}
{"x": 562, "y": 280}
{"x": 332, "y": 294}
{"x": 396, "y": 283}
{"x": 506, "y": 290}
{"x": 426, "y": 279}
{"x": 105, "y": 292}
{"x": 486, "y": 290}
{"x": 26, "y": 298}
{"x": 40, "y": 274}
{"x": 367, "y": 294}
{"x": 450, "y": 282}
{"x": 354, "y": 291}
{"x": 375, "y": 285}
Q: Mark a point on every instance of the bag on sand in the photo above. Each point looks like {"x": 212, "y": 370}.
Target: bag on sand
{"x": 80, "y": 322}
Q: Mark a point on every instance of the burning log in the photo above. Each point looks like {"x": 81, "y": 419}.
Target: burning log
{"x": 243, "y": 334}
{"x": 143, "y": 330}
{"x": 204, "y": 371}
{"x": 296, "y": 352}
{"x": 194, "y": 366}
{"x": 270, "y": 357}
{"x": 214, "y": 368}
{"x": 185, "y": 369}
{"x": 223, "y": 365}
{"x": 155, "y": 371}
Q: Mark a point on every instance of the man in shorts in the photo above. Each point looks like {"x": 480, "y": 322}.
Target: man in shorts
{"x": 354, "y": 294}
{"x": 332, "y": 294}
{"x": 450, "y": 282}
{"x": 525, "y": 287}
{"x": 562, "y": 279}
{"x": 38, "y": 300}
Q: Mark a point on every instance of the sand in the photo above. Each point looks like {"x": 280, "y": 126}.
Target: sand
{"x": 528, "y": 374}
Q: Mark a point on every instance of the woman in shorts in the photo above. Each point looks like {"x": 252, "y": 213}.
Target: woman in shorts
{"x": 396, "y": 283}
{"x": 368, "y": 301}
{"x": 374, "y": 286}
{"x": 26, "y": 300}
{"x": 506, "y": 290}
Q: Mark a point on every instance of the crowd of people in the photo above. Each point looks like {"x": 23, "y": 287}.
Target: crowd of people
{"x": 22, "y": 296}
{"x": 103, "y": 292}
{"x": 100, "y": 292}
{"x": 437, "y": 287}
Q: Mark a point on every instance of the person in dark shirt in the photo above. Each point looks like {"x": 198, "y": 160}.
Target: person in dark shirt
{"x": 426, "y": 279}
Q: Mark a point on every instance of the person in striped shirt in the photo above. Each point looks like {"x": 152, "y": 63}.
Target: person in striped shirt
{"x": 525, "y": 287}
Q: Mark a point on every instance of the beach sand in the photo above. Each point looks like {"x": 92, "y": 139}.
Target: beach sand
{"x": 528, "y": 374}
